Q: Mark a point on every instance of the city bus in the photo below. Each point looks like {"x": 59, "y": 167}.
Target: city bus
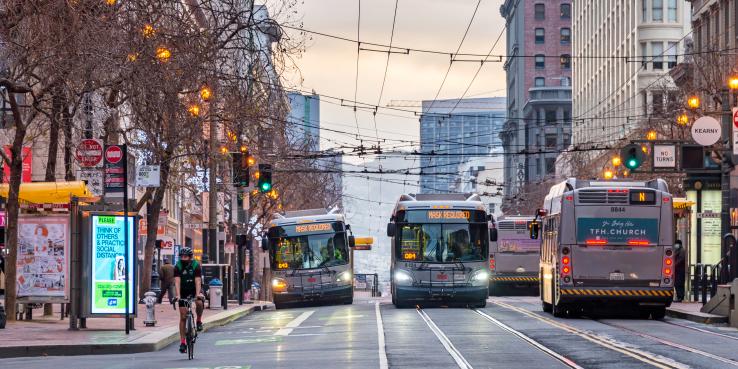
{"x": 310, "y": 258}
{"x": 439, "y": 249}
{"x": 513, "y": 258}
{"x": 606, "y": 244}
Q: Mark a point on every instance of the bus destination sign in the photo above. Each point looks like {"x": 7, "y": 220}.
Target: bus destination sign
{"x": 449, "y": 214}
{"x": 317, "y": 227}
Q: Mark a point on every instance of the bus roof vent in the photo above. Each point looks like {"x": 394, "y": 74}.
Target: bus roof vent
{"x": 305, "y": 213}
{"x": 443, "y": 197}
{"x": 602, "y": 196}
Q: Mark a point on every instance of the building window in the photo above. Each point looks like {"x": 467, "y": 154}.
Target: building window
{"x": 540, "y": 61}
{"x": 644, "y": 11}
{"x": 657, "y": 103}
{"x": 644, "y": 54}
{"x": 566, "y": 61}
{"x": 565, "y": 11}
{"x": 550, "y": 116}
{"x": 657, "y": 10}
{"x": 671, "y": 54}
{"x": 540, "y": 82}
{"x": 672, "y": 10}
{"x": 657, "y": 49}
{"x": 540, "y": 11}
{"x": 567, "y": 116}
{"x": 566, "y": 81}
{"x": 551, "y": 140}
{"x": 550, "y": 165}
{"x": 540, "y": 35}
{"x": 565, "y": 36}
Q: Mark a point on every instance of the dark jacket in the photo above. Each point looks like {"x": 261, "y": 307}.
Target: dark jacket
{"x": 167, "y": 274}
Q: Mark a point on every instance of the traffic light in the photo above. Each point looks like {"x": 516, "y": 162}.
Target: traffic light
{"x": 241, "y": 169}
{"x": 265, "y": 178}
{"x": 632, "y": 156}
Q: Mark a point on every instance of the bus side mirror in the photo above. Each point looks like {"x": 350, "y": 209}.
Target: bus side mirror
{"x": 390, "y": 229}
{"x": 352, "y": 241}
{"x": 493, "y": 234}
{"x": 534, "y": 229}
{"x": 264, "y": 243}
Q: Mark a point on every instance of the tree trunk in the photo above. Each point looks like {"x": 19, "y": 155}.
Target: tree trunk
{"x": 12, "y": 209}
{"x": 152, "y": 220}
{"x": 67, "y": 123}
{"x": 56, "y": 108}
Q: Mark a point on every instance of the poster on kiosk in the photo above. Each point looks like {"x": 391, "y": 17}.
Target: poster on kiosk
{"x": 106, "y": 288}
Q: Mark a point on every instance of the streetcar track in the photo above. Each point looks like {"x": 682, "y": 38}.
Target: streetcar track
{"x": 566, "y": 361}
{"x": 702, "y": 330}
{"x": 445, "y": 341}
{"x": 671, "y": 344}
{"x": 640, "y": 355}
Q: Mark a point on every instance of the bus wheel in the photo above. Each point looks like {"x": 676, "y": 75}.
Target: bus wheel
{"x": 658, "y": 313}
{"x": 479, "y": 305}
{"x": 558, "y": 310}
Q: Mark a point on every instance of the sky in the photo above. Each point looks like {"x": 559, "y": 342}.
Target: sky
{"x": 328, "y": 66}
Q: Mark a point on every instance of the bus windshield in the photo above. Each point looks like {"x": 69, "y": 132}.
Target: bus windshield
{"x": 442, "y": 242}
{"x": 318, "y": 248}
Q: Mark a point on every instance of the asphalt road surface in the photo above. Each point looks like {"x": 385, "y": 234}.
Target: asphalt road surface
{"x": 509, "y": 333}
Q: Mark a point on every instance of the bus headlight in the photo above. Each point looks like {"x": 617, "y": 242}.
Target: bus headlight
{"x": 479, "y": 278}
{"x": 344, "y": 277}
{"x": 403, "y": 278}
{"x": 279, "y": 285}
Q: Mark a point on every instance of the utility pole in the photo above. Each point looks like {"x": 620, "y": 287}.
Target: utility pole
{"x": 727, "y": 165}
{"x": 213, "y": 194}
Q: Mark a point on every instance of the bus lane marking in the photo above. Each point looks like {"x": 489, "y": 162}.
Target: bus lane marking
{"x": 445, "y": 341}
{"x": 294, "y": 324}
{"x": 382, "y": 351}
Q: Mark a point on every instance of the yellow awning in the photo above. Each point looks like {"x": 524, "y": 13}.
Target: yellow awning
{"x": 49, "y": 192}
{"x": 682, "y": 203}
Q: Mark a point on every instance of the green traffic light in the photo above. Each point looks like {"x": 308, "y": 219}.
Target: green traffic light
{"x": 266, "y": 187}
{"x": 632, "y": 163}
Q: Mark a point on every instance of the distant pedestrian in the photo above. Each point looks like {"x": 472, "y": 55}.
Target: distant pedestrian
{"x": 680, "y": 266}
{"x": 167, "y": 280}
{"x": 2, "y": 273}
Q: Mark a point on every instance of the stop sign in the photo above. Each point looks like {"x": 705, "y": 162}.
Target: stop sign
{"x": 113, "y": 154}
{"x": 89, "y": 152}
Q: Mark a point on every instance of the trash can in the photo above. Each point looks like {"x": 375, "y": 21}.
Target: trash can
{"x": 215, "y": 293}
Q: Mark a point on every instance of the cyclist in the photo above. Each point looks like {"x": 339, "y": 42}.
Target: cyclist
{"x": 188, "y": 282}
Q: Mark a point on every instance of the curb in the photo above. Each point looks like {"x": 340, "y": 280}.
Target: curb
{"x": 152, "y": 342}
{"x": 697, "y": 317}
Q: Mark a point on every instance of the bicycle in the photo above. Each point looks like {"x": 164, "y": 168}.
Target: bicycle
{"x": 190, "y": 330}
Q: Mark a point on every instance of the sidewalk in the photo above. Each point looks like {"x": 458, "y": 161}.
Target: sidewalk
{"x": 51, "y": 336}
{"x": 691, "y": 311}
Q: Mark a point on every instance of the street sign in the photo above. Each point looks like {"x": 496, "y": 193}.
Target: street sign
{"x": 706, "y": 131}
{"x": 735, "y": 132}
{"x": 115, "y": 171}
{"x": 89, "y": 153}
{"x": 664, "y": 156}
{"x": 148, "y": 176}
{"x": 94, "y": 179}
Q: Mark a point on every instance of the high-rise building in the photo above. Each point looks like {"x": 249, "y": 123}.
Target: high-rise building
{"x": 637, "y": 42}
{"x": 538, "y": 125}
{"x": 303, "y": 130}
{"x": 454, "y": 131}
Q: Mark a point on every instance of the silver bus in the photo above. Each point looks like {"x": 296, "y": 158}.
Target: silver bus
{"x": 440, "y": 244}
{"x": 310, "y": 258}
{"x": 513, "y": 258}
{"x": 607, "y": 244}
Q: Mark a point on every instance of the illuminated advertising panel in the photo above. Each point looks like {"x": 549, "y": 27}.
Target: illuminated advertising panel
{"x": 108, "y": 277}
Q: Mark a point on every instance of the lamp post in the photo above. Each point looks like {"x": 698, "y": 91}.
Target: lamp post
{"x": 727, "y": 164}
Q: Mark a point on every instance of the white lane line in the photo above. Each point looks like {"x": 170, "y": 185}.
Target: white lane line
{"x": 445, "y": 341}
{"x": 294, "y": 324}
{"x": 380, "y": 338}
{"x": 531, "y": 341}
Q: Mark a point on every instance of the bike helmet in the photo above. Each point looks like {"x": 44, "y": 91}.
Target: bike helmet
{"x": 186, "y": 251}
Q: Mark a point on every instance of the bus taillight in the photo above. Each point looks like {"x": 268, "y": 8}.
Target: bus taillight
{"x": 566, "y": 268}
{"x": 667, "y": 271}
{"x": 565, "y": 260}
{"x": 596, "y": 242}
{"x": 639, "y": 242}
{"x": 491, "y": 262}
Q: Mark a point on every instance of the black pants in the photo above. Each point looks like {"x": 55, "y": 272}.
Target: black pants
{"x": 168, "y": 289}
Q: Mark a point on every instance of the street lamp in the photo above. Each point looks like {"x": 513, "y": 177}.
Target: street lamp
{"x": 163, "y": 54}
{"x": 733, "y": 83}
{"x": 694, "y": 102}
{"x": 683, "y": 119}
{"x": 651, "y": 135}
{"x": 206, "y": 93}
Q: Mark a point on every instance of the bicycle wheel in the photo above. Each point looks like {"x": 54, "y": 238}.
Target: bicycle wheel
{"x": 189, "y": 329}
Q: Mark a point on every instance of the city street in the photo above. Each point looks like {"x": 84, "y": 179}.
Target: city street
{"x": 508, "y": 333}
